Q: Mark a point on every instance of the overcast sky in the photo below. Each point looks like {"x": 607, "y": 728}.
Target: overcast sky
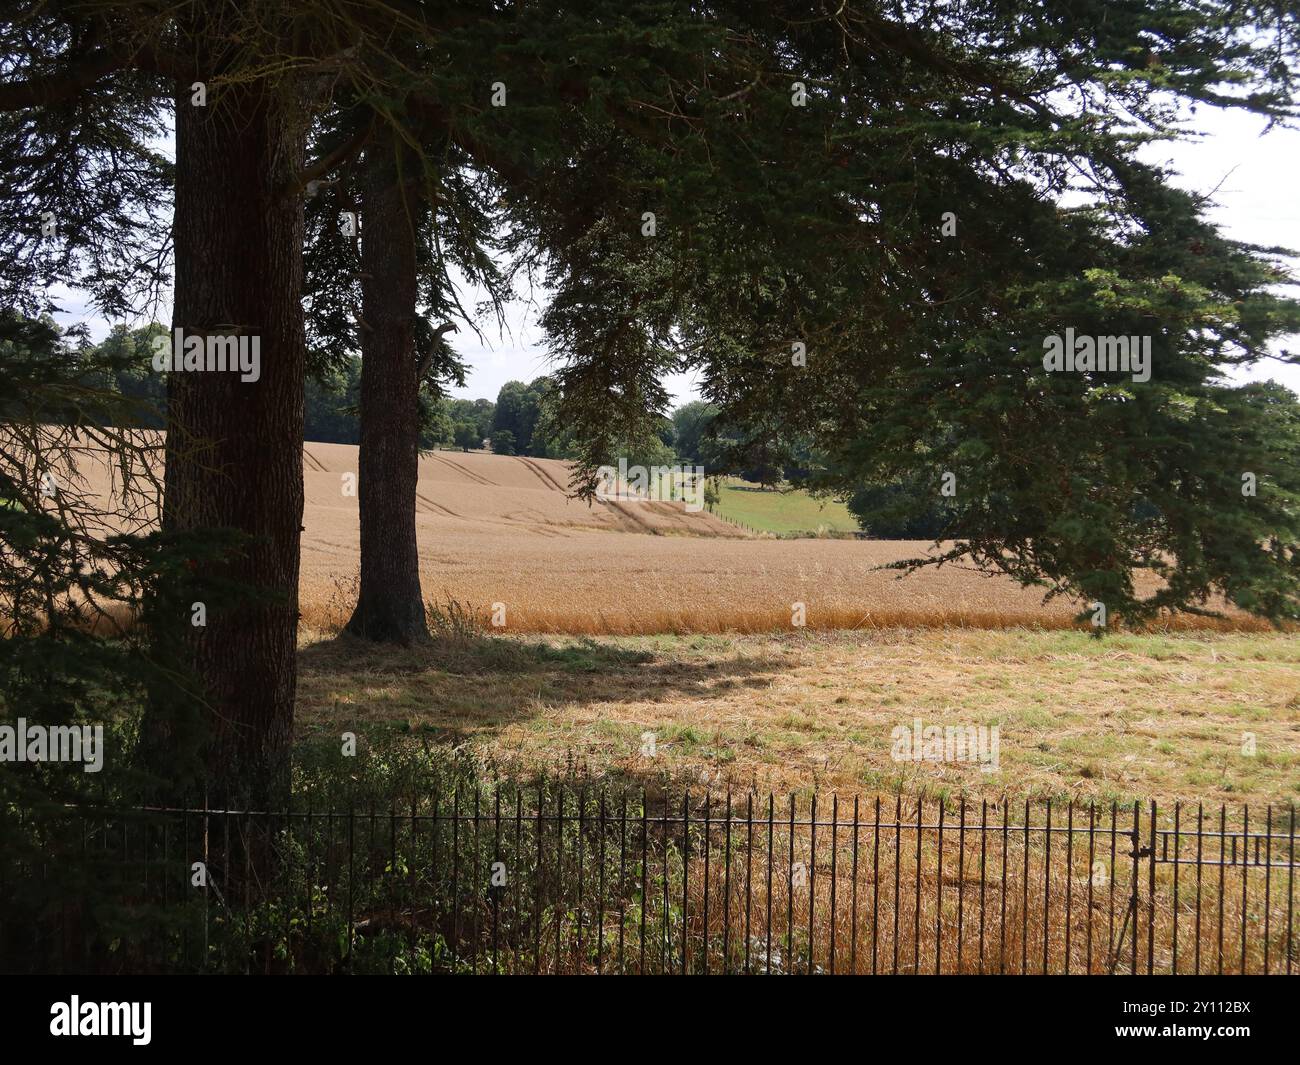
{"x": 1256, "y": 201}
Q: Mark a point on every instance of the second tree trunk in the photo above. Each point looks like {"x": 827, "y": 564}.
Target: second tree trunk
{"x": 390, "y": 606}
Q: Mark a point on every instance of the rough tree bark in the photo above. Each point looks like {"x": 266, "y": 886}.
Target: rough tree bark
{"x": 390, "y": 606}
{"x": 234, "y": 448}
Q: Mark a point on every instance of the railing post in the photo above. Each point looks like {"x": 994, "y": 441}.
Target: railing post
{"x": 1133, "y": 896}
{"x": 351, "y": 877}
{"x": 1151, "y": 895}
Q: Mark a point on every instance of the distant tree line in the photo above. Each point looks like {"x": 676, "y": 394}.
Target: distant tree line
{"x": 524, "y": 421}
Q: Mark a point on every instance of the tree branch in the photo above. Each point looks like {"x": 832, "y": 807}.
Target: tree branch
{"x": 422, "y": 368}
{"x": 333, "y": 160}
{"x": 82, "y": 72}
{"x": 59, "y": 88}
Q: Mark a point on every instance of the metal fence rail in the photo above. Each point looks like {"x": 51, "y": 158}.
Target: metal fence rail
{"x": 507, "y": 880}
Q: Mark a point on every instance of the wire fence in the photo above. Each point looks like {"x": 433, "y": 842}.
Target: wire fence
{"x": 519, "y": 880}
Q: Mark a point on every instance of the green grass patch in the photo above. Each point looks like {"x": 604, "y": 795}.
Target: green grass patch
{"x": 782, "y": 511}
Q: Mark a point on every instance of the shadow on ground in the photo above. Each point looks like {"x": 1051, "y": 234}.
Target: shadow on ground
{"x": 453, "y": 690}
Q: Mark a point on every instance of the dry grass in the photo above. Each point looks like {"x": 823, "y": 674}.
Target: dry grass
{"x": 1131, "y": 716}
{"x": 971, "y": 902}
{"x": 601, "y": 883}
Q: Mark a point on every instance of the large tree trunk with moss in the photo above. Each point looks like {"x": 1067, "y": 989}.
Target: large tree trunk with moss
{"x": 234, "y": 447}
{"x": 390, "y": 606}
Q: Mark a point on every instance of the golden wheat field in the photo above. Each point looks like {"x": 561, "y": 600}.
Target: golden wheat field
{"x": 500, "y": 529}
{"x": 499, "y": 534}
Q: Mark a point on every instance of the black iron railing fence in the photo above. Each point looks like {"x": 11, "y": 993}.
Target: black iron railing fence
{"x": 507, "y": 880}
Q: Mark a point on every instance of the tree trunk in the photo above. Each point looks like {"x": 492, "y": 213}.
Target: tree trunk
{"x": 234, "y": 447}
{"x": 390, "y": 606}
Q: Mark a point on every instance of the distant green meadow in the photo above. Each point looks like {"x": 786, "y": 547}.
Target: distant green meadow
{"x": 781, "y": 511}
